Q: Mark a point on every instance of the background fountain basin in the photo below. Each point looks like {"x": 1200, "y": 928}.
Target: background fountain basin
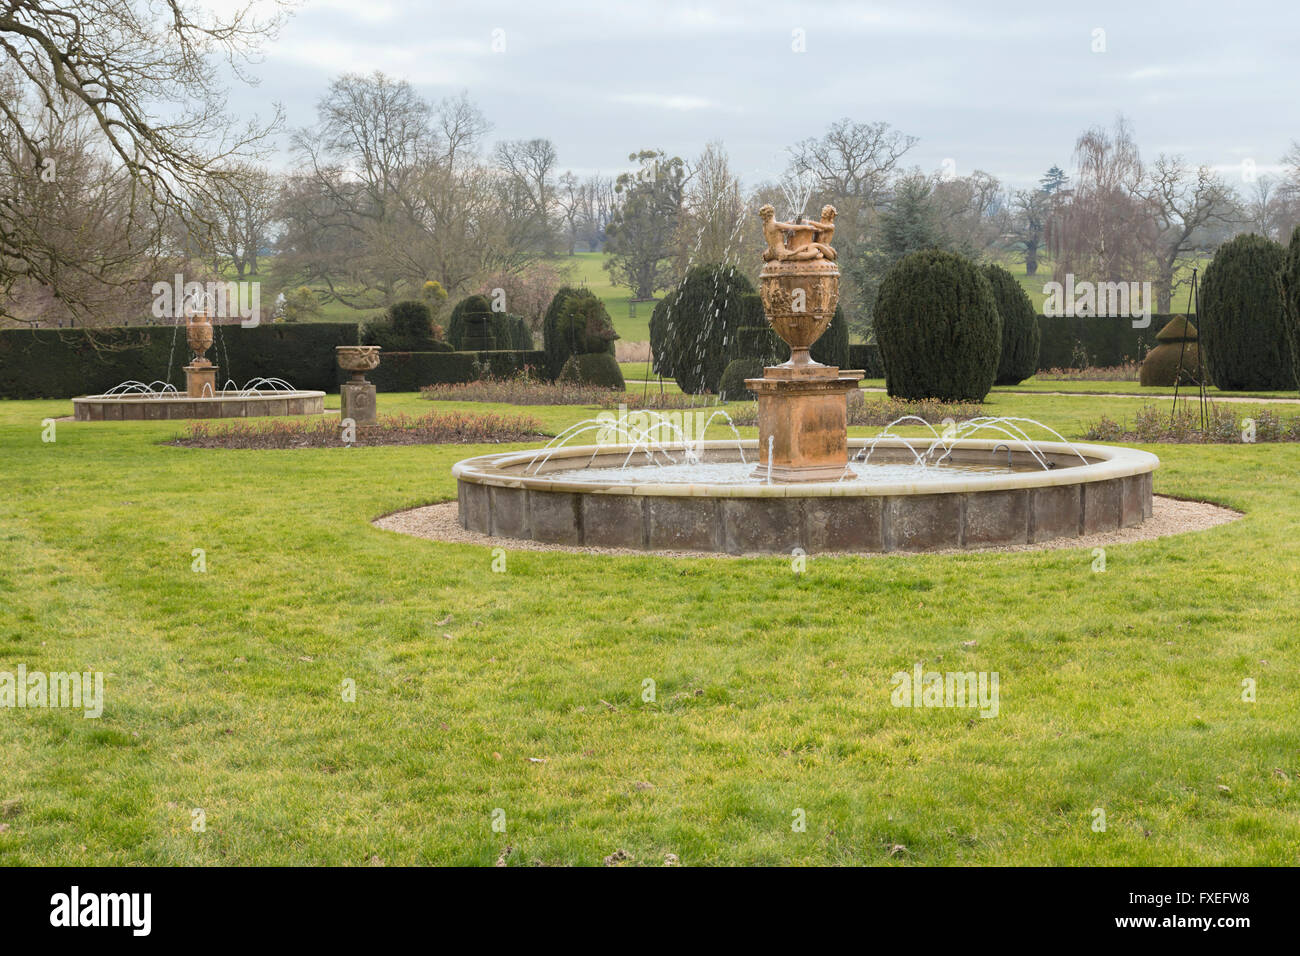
{"x": 224, "y": 404}
{"x": 938, "y": 511}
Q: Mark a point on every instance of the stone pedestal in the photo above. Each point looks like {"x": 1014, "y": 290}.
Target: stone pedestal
{"x": 357, "y": 402}
{"x": 201, "y": 381}
{"x": 803, "y": 421}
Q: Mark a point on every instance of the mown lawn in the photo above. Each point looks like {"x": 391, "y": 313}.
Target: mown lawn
{"x": 1120, "y": 690}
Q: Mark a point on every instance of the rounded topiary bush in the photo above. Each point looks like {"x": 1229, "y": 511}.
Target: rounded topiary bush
{"x": 470, "y": 324}
{"x": 1289, "y": 285}
{"x": 406, "y": 326}
{"x": 706, "y": 314}
{"x": 593, "y": 368}
{"x": 1021, "y": 336}
{"x": 938, "y": 328}
{"x": 732, "y": 386}
{"x": 576, "y": 323}
{"x": 1242, "y": 317}
{"x": 1176, "y": 359}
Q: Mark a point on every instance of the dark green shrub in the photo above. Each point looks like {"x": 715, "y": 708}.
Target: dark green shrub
{"x": 406, "y": 326}
{"x": 761, "y": 343}
{"x": 478, "y": 336}
{"x": 661, "y": 342}
{"x": 938, "y": 328}
{"x": 593, "y": 368}
{"x": 458, "y": 322}
{"x": 1242, "y": 317}
{"x": 576, "y": 323}
{"x": 1289, "y": 283}
{"x": 708, "y": 311}
{"x": 411, "y": 318}
{"x": 867, "y": 358}
{"x": 511, "y": 332}
{"x": 833, "y": 346}
{"x": 732, "y": 386}
{"x": 1021, "y": 336}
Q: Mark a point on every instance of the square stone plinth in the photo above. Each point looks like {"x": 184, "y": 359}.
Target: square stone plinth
{"x": 357, "y": 402}
{"x": 200, "y": 380}
{"x": 803, "y": 423}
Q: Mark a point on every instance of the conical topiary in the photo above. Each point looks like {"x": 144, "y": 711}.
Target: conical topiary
{"x": 1176, "y": 359}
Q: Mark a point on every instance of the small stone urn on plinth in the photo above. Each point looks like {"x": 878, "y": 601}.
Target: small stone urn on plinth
{"x": 802, "y": 404}
{"x": 357, "y": 396}
{"x": 200, "y": 374}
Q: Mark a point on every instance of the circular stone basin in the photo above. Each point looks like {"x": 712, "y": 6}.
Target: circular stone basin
{"x": 986, "y": 493}
{"x": 225, "y": 404}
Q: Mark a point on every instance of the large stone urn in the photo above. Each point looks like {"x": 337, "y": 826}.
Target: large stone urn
{"x": 200, "y": 374}
{"x": 357, "y": 396}
{"x": 802, "y": 404}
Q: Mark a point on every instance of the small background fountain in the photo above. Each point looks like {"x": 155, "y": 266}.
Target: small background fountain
{"x": 161, "y": 401}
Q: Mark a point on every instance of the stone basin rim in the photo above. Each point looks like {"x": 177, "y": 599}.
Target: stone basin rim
{"x": 222, "y": 396}
{"x": 1105, "y": 462}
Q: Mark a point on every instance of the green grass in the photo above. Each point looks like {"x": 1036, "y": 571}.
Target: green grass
{"x": 1119, "y": 690}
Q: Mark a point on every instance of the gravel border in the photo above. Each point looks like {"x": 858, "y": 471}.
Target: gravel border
{"x": 1169, "y": 516}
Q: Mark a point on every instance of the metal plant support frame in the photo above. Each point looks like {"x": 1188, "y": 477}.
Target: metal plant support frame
{"x": 1193, "y": 299}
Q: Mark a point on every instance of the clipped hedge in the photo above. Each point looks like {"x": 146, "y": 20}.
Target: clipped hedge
{"x": 710, "y": 308}
{"x": 1021, "y": 336}
{"x": 1289, "y": 282}
{"x": 938, "y": 328}
{"x": 593, "y": 368}
{"x": 64, "y": 363}
{"x": 1242, "y": 320}
{"x": 411, "y": 371}
{"x": 1096, "y": 341}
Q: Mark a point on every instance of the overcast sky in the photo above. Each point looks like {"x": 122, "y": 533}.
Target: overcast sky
{"x": 1001, "y": 87}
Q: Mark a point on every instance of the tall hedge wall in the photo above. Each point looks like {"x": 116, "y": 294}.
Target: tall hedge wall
{"x": 1081, "y": 341}
{"x": 411, "y": 371}
{"x": 64, "y": 363}
{"x": 49, "y": 363}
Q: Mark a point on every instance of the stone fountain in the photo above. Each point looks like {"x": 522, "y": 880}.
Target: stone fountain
{"x": 802, "y": 404}
{"x": 940, "y": 491}
{"x": 202, "y": 398}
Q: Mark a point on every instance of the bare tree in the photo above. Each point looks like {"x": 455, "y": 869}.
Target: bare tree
{"x": 1102, "y": 228}
{"x": 1185, "y": 204}
{"x": 245, "y": 208}
{"x": 852, "y": 161}
{"x": 1030, "y": 209}
{"x": 713, "y": 212}
{"x": 119, "y": 63}
{"x": 529, "y": 168}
